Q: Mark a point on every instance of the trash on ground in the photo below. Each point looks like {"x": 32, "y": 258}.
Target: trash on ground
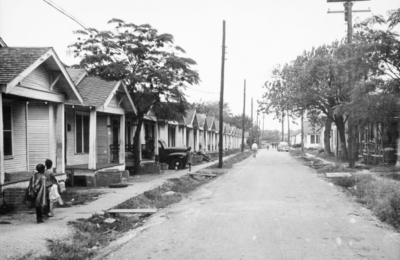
{"x": 110, "y": 220}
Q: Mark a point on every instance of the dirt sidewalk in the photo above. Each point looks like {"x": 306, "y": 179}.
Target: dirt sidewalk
{"x": 24, "y": 235}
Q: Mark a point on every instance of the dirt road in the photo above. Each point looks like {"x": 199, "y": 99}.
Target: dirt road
{"x": 269, "y": 207}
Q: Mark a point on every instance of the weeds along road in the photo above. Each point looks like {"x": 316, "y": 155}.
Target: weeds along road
{"x": 269, "y": 207}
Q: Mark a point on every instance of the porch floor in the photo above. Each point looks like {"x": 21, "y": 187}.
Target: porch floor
{"x": 85, "y": 166}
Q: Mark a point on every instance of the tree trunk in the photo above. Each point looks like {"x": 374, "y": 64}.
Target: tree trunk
{"x": 341, "y": 129}
{"x": 136, "y": 145}
{"x": 327, "y": 136}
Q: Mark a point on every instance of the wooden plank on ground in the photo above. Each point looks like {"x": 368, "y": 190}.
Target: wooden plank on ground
{"x": 338, "y": 174}
{"x": 203, "y": 174}
{"x": 133, "y": 211}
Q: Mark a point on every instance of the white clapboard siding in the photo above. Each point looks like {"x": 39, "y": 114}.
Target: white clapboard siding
{"x": 113, "y": 102}
{"x": 102, "y": 139}
{"x": 72, "y": 157}
{"x": 38, "y": 134}
{"x": 38, "y": 79}
{"x": 53, "y": 153}
{"x": 18, "y": 161}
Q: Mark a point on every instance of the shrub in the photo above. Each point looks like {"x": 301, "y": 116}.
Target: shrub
{"x": 381, "y": 196}
{"x": 345, "y": 182}
{"x": 296, "y": 146}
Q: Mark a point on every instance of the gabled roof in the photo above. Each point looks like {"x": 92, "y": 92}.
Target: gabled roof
{"x": 77, "y": 75}
{"x": 95, "y": 91}
{"x": 201, "y": 119}
{"x": 98, "y": 92}
{"x": 16, "y": 63}
{"x": 190, "y": 117}
{"x": 210, "y": 122}
{"x": 2, "y": 43}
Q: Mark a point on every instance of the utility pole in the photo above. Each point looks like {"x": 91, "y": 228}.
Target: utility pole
{"x": 244, "y": 114}
{"x": 302, "y": 133}
{"x": 283, "y": 128}
{"x": 348, "y": 12}
{"x": 221, "y": 99}
{"x": 262, "y": 133}
{"x": 258, "y": 129}
{"x": 252, "y": 122}
{"x": 288, "y": 128}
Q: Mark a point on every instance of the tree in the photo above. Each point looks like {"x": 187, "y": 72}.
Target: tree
{"x": 211, "y": 108}
{"x": 313, "y": 84}
{"x": 148, "y": 63}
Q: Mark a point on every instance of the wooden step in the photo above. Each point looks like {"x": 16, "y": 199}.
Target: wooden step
{"x": 132, "y": 211}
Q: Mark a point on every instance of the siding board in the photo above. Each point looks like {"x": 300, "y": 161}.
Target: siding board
{"x": 18, "y": 161}
{"x": 102, "y": 139}
{"x": 38, "y": 79}
{"x": 38, "y": 134}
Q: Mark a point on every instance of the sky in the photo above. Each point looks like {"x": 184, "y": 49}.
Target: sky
{"x": 260, "y": 34}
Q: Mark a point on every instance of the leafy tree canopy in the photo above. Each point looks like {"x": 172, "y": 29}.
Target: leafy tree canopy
{"x": 151, "y": 66}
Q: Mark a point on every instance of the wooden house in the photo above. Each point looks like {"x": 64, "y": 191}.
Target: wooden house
{"x": 211, "y": 131}
{"x": 34, "y": 88}
{"x": 97, "y": 128}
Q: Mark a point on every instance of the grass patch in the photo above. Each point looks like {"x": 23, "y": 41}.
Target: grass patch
{"x": 79, "y": 196}
{"x": 382, "y": 196}
{"x": 228, "y": 163}
{"x": 345, "y": 182}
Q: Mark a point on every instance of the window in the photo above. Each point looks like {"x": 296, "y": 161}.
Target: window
{"x": 7, "y": 130}
{"x": 82, "y": 133}
{"x": 314, "y": 139}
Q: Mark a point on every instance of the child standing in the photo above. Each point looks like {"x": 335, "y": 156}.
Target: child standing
{"x": 189, "y": 156}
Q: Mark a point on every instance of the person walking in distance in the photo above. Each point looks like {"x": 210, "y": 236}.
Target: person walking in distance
{"x": 254, "y": 148}
{"x": 189, "y": 156}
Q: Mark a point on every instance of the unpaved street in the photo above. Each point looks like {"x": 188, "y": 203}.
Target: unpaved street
{"x": 270, "y": 207}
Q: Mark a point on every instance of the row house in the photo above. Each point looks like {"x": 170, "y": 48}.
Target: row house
{"x": 84, "y": 124}
{"x": 35, "y": 87}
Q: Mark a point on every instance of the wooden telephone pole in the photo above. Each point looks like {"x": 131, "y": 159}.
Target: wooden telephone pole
{"x": 221, "y": 100}
{"x": 348, "y": 17}
{"x": 244, "y": 114}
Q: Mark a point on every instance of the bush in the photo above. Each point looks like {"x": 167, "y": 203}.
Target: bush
{"x": 345, "y": 182}
{"x": 381, "y": 196}
{"x": 296, "y": 146}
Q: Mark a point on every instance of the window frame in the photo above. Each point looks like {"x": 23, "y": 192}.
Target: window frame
{"x": 81, "y": 113}
{"x": 312, "y": 139}
{"x": 9, "y": 104}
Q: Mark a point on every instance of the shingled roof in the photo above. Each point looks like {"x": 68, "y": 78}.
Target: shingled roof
{"x": 14, "y": 60}
{"x": 201, "y": 119}
{"x": 95, "y": 91}
{"x": 189, "y": 117}
{"x": 210, "y": 121}
{"x": 76, "y": 74}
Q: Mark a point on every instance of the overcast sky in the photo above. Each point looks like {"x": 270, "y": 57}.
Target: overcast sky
{"x": 259, "y": 34}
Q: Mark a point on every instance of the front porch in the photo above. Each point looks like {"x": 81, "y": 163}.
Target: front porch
{"x": 103, "y": 175}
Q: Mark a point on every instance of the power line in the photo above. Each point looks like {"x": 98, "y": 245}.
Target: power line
{"x": 61, "y": 10}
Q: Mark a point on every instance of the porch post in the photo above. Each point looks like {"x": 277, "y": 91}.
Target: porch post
{"x": 51, "y": 156}
{"x": 1, "y": 142}
{"x": 206, "y": 140}
{"x": 156, "y": 138}
{"x": 184, "y": 136}
{"x": 177, "y": 136}
{"x": 197, "y": 139}
{"x": 121, "y": 141}
{"x": 60, "y": 140}
{"x": 93, "y": 140}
